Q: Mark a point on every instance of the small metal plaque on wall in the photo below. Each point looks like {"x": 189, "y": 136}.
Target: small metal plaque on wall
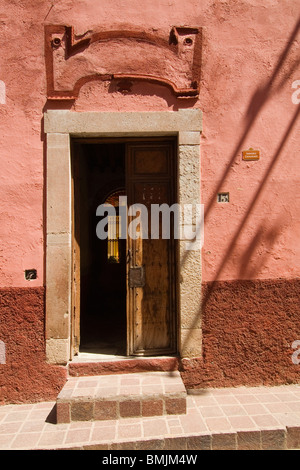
{"x": 250, "y": 154}
{"x": 137, "y": 276}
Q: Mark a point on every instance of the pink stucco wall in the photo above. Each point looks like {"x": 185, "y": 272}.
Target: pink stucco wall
{"x": 248, "y": 68}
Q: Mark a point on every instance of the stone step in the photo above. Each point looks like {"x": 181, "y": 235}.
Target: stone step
{"x": 93, "y": 364}
{"x": 111, "y": 397}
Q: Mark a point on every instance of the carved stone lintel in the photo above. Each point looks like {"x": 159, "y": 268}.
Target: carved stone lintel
{"x": 124, "y": 56}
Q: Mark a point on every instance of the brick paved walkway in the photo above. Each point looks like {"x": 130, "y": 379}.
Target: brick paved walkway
{"x": 231, "y": 418}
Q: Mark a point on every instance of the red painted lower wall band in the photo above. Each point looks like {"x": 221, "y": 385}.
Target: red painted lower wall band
{"x": 248, "y": 331}
{"x": 25, "y": 376}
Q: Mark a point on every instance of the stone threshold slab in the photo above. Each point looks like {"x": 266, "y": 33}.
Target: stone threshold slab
{"x": 94, "y": 364}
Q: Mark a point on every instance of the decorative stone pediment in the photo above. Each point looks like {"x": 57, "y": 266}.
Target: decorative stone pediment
{"x": 123, "y": 56}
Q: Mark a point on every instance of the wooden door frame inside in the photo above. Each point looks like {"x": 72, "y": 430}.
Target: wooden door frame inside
{"x": 60, "y": 127}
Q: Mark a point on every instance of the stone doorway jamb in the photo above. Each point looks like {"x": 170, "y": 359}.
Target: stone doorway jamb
{"x": 60, "y": 126}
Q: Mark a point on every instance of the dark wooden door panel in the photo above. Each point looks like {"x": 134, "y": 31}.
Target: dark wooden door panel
{"x": 151, "y": 306}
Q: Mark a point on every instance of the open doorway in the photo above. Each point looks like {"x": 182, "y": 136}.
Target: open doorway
{"x": 100, "y": 179}
{"x": 124, "y": 288}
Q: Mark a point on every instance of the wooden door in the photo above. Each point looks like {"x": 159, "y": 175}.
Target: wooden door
{"x": 151, "y": 302}
{"x": 75, "y": 305}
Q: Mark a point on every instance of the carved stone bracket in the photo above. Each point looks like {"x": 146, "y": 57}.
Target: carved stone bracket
{"x": 125, "y": 56}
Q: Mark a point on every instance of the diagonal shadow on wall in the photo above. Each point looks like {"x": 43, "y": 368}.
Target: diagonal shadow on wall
{"x": 260, "y": 98}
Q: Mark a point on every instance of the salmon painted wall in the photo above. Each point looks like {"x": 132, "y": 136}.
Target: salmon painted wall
{"x": 249, "y": 95}
{"x": 249, "y": 65}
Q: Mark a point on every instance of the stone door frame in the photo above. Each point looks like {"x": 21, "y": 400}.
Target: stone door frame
{"x": 60, "y": 127}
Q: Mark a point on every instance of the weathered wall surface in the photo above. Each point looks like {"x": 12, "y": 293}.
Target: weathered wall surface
{"x": 246, "y": 334}
{"x": 249, "y": 65}
{"x": 24, "y": 374}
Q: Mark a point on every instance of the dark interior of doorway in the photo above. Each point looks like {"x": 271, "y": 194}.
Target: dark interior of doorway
{"x": 102, "y": 272}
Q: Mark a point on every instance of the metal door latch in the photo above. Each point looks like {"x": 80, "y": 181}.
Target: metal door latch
{"x": 137, "y": 276}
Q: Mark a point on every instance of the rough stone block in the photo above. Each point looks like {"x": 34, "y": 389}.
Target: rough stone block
{"x": 105, "y": 409}
{"x": 152, "y": 407}
{"x": 191, "y": 342}
{"x": 273, "y": 439}
{"x": 151, "y": 444}
{"x": 199, "y": 442}
{"x": 130, "y": 408}
{"x": 175, "y": 443}
{"x": 248, "y": 440}
{"x": 175, "y": 406}
{"x": 63, "y": 414}
{"x": 224, "y": 441}
{"x": 57, "y": 350}
{"x": 82, "y": 411}
{"x": 293, "y": 437}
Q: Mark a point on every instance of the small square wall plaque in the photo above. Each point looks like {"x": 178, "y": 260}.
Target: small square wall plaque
{"x": 223, "y": 197}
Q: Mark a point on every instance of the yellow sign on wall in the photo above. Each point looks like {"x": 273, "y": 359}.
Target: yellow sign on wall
{"x": 251, "y": 154}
